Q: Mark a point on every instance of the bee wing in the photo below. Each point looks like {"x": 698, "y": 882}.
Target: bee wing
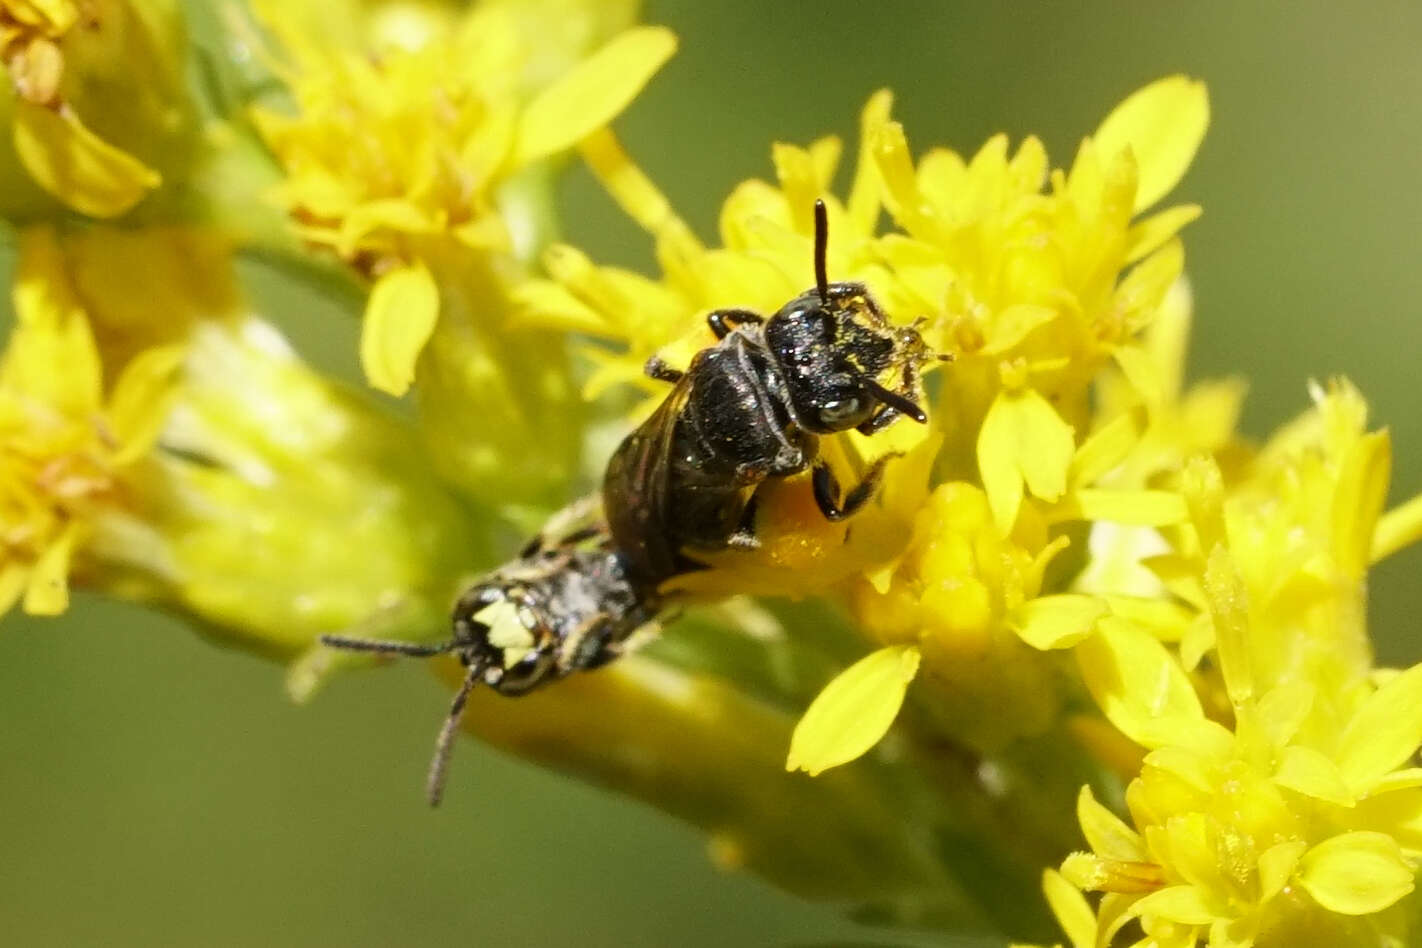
{"x": 635, "y": 492}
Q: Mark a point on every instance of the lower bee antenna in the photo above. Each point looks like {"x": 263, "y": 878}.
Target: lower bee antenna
{"x": 388, "y": 647}
{"x": 444, "y": 744}
{"x": 821, "y": 248}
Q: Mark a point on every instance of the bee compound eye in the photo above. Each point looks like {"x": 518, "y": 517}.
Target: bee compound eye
{"x": 840, "y": 411}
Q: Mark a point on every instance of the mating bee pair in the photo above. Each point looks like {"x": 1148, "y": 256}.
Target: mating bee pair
{"x": 748, "y": 408}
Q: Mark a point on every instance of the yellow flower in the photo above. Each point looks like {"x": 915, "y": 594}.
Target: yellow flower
{"x": 97, "y": 105}
{"x": 1294, "y": 824}
{"x": 1036, "y": 294}
{"x": 395, "y": 161}
{"x": 424, "y": 162}
{"x": 281, "y": 507}
{"x": 219, "y": 476}
{"x": 67, "y": 436}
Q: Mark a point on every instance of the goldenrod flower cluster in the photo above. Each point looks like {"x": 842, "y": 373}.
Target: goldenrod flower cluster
{"x": 1078, "y": 585}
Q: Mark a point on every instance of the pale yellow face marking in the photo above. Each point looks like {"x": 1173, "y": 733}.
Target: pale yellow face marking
{"x": 506, "y": 632}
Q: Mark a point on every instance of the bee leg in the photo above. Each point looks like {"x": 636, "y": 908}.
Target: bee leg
{"x": 878, "y": 422}
{"x": 657, "y": 369}
{"x": 744, "y": 538}
{"x": 826, "y": 487}
{"x": 743, "y": 541}
{"x": 722, "y": 321}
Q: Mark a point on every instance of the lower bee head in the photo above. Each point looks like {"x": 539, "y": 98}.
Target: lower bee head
{"x": 504, "y": 635}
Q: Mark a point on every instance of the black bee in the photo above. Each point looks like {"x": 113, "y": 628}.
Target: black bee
{"x": 753, "y": 407}
{"x": 566, "y": 604}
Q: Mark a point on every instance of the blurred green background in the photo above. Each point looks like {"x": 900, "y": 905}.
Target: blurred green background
{"x": 155, "y": 790}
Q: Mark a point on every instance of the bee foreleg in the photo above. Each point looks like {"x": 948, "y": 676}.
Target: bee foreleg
{"x": 722, "y": 321}
{"x": 826, "y": 487}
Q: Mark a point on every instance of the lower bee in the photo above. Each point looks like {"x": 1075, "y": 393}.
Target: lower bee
{"x": 753, "y": 406}
{"x": 567, "y": 603}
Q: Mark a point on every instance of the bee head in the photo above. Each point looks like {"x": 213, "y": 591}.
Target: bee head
{"x": 831, "y": 348}
{"x": 833, "y": 343}
{"x": 515, "y": 649}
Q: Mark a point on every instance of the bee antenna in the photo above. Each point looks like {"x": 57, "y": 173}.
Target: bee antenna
{"x": 444, "y": 744}
{"x": 893, "y": 399}
{"x": 821, "y": 248}
{"x": 388, "y": 647}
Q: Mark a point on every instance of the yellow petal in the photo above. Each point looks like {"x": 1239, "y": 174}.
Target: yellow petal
{"x": 592, "y": 93}
{"x": 393, "y": 214}
{"x": 487, "y": 234}
{"x": 1061, "y": 621}
{"x": 1163, "y": 124}
{"x": 1283, "y": 710}
{"x": 1398, "y": 528}
{"x": 1142, "y": 508}
{"x": 894, "y": 164}
{"x": 1138, "y": 685}
{"x": 1229, "y": 608}
{"x": 1383, "y": 733}
{"x": 1142, "y": 372}
{"x": 1105, "y": 448}
{"x": 399, "y": 318}
{"x": 550, "y": 305}
{"x": 1106, "y": 833}
{"x": 1356, "y": 873}
{"x": 863, "y": 204}
{"x": 48, "y": 591}
{"x": 1182, "y": 904}
{"x": 1312, "y": 774}
{"x": 1073, "y": 912}
{"x": 13, "y": 579}
{"x": 1276, "y": 866}
{"x": 1162, "y": 618}
{"x": 1023, "y": 440}
{"x": 139, "y": 404}
{"x": 1406, "y": 779}
{"x": 1013, "y": 324}
{"x": 799, "y": 181}
{"x": 1152, "y": 233}
{"x": 854, "y": 711}
{"x": 629, "y": 186}
{"x": 76, "y": 166}
{"x": 1359, "y": 499}
{"x": 52, "y": 330}
{"x": 1143, "y": 290}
